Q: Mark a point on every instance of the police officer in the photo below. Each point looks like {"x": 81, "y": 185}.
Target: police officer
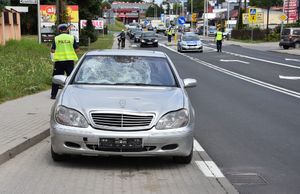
{"x": 169, "y": 34}
{"x": 64, "y": 48}
{"x": 219, "y": 39}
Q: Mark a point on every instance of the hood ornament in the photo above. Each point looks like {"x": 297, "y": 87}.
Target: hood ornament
{"x": 122, "y": 103}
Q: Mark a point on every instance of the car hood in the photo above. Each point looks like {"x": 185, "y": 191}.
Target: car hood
{"x": 123, "y": 98}
{"x": 149, "y": 37}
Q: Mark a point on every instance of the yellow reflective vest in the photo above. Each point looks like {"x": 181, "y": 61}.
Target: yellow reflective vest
{"x": 219, "y": 36}
{"x": 64, "y": 50}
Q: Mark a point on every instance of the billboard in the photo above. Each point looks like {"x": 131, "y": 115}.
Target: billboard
{"x": 98, "y": 24}
{"x": 290, "y": 9}
{"x": 48, "y": 18}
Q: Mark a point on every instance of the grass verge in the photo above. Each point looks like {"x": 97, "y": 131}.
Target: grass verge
{"x": 26, "y": 68}
{"x": 118, "y": 26}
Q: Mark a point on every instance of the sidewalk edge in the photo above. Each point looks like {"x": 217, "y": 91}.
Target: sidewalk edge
{"x": 27, "y": 143}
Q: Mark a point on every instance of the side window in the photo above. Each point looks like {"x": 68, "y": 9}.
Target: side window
{"x": 296, "y": 32}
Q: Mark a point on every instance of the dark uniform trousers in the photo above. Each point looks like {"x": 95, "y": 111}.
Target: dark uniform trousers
{"x": 60, "y": 67}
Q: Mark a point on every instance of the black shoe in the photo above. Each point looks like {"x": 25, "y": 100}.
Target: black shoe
{"x": 53, "y": 97}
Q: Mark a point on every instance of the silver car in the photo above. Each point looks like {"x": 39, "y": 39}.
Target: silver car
{"x": 123, "y": 102}
{"x": 190, "y": 42}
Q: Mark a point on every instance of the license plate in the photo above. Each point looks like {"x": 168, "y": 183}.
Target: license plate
{"x": 149, "y": 42}
{"x": 120, "y": 143}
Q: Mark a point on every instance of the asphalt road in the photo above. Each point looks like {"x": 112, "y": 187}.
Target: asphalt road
{"x": 249, "y": 127}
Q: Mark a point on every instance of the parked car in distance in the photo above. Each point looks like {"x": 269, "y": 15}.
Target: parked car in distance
{"x": 144, "y": 109}
{"x": 227, "y": 33}
{"x": 133, "y": 31}
{"x": 47, "y": 34}
{"x": 137, "y": 36}
{"x": 190, "y": 43}
{"x": 150, "y": 27}
{"x": 160, "y": 28}
{"x": 212, "y": 30}
{"x": 149, "y": 38}
{"x": 290, "y": 37}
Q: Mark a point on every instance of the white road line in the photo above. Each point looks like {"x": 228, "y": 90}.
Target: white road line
{"x": 225, "y": 60}
{"x": 289, "y": 77}
{"x": 242, "y": 77}
{"x": 298, "y": 60}
{"x": 197, "y": 146}
{"x": 209, "y": 169}
{"x": 262, "y": 60}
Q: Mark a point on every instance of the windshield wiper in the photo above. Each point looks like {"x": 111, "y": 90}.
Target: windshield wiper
{"x": 136, "y": 84}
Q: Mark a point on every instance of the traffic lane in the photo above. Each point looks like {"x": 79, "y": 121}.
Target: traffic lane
{"x": 263, "y": 71}
{"x": 33, "y": 171}
{"x": 255, "y": 53}
{"x": 245, "y": 128}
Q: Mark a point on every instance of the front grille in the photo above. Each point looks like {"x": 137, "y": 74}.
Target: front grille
{"x": 120, "y": 149}
{"x": 121, "y": 121}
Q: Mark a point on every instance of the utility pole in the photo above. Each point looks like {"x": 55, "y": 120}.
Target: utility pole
{"x": 39, "y": 20}
{"x": 192, "y": 26}
{"x": 268, "y": 14}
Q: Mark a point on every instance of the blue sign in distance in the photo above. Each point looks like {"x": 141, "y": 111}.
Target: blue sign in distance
{"x": 146, "y": 22}
{"x": 181, "y": 20}
{"x": 252, "y": 11}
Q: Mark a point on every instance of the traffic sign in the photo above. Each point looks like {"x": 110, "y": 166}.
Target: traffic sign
{"x": 146, "y": 22}
{"x": 283, "y": 17}
{"x": 28, "y": 1}
{"x": 181, "y": 20}
{"x": 252, "y": 15}
{"x": 194, "y": 17}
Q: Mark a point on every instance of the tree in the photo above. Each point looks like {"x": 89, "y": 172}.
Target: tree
{"x": 151, "y": 11}
{"x": 2, "y": 5}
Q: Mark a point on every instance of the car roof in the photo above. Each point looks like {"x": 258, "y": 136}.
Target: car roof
{"x": 131, "y": 52}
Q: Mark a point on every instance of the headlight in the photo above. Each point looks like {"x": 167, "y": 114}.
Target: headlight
{"x": 70, "y": 117}
{"x": 155, "y": 40}
{"x": 199, "y": 43}
{"x": 143, "y": 40}
{"x": 184, "y": 44}
{"x": 173, "y": 120}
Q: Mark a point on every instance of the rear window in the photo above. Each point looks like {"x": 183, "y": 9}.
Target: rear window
{"x": 286, "y": 31}
{"x": 296, "y": 32}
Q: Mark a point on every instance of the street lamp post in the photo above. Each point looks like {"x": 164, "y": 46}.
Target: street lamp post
{"x": 192, "y": 26}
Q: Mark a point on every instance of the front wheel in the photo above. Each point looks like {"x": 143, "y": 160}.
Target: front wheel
{"x": 285, "y": 47}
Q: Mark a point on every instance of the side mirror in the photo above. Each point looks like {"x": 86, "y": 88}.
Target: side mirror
{"x": 189, "y": 83}
{"x": 59, "y": 80}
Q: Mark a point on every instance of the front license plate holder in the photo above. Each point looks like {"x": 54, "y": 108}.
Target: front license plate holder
{"x": 123, "y": 143}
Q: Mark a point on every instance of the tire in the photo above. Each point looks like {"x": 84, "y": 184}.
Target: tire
{"x": 57, "y": 157}
{"x": 184, "y": 159}
{"x": 285, "y": 47}
{"x": 201, "y": 51}
{"x": 142, "y": 45}
{"x": 156, "y": 45}
{"x": 297, "y": 45}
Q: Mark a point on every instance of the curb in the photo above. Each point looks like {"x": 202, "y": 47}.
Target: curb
{"x": 22, "y": 146}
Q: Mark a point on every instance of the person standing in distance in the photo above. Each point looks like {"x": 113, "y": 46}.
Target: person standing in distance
{"x": 122, "y": 37}
{"x": 219, "y": 39}
{"x": 64, "y": 48}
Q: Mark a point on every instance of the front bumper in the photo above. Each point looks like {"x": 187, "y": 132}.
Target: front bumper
{"x": 84, "y": 141}
{"x": 192, "y": 48}
{"x": 286, "y": 43}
